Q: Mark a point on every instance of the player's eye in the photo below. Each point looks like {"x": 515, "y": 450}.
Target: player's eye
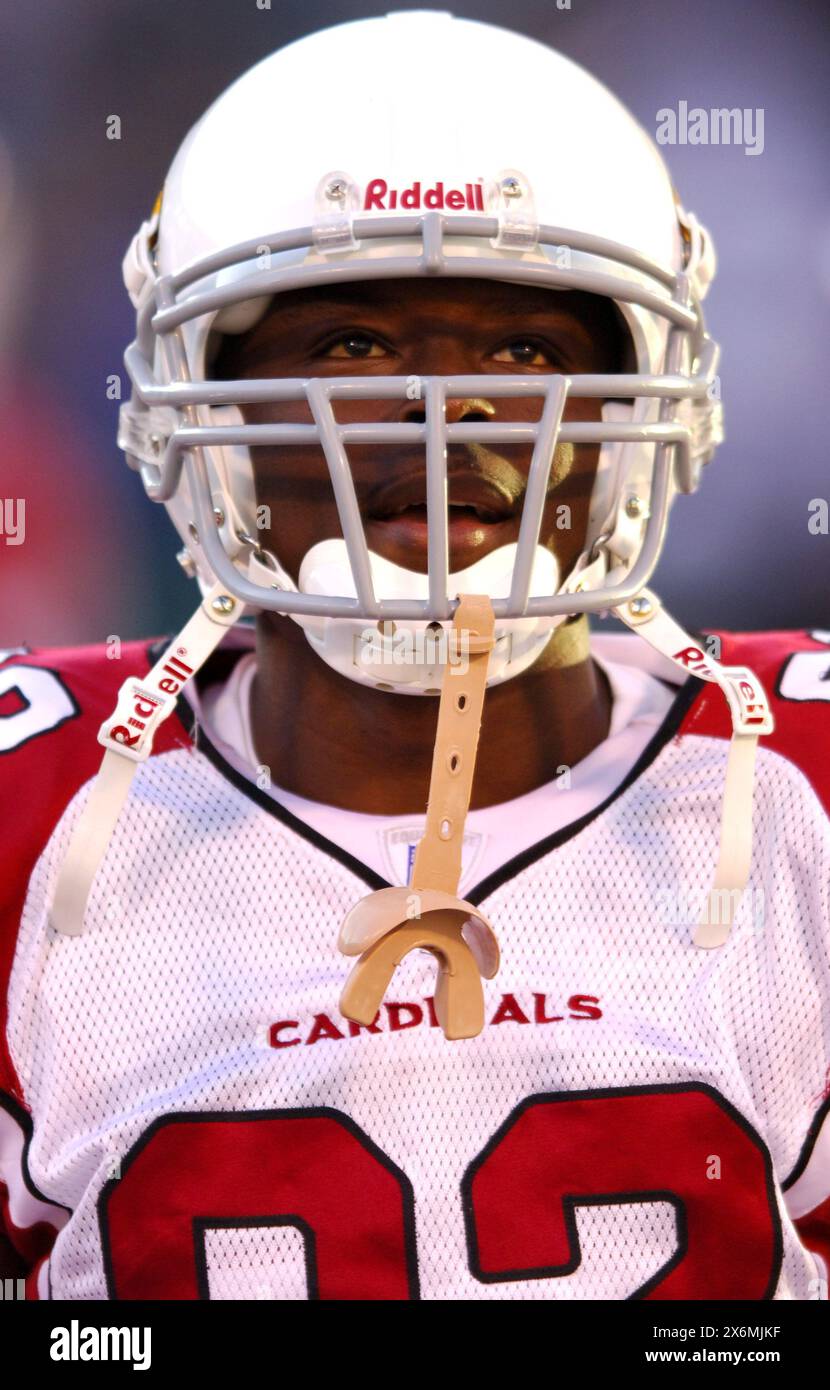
{"x": 524, "y": 352}
{"x": 353, "y": 344}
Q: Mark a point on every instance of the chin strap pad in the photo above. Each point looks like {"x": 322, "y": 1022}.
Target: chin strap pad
{"x": 751, "y": 717}
{"x": 127, "y": 735}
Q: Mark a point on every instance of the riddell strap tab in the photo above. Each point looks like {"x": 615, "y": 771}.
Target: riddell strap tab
{"x": 438, "y": 856}
{"x": 127, "y": 735}
{"x": 144, "y": 702}
{"x": 751, "y": 717}
{"x": 748, "y": 704}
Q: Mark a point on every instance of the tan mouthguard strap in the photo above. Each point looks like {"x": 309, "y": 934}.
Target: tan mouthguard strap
{"x": 438, "y": 856}
{"x": 381, "y": 926}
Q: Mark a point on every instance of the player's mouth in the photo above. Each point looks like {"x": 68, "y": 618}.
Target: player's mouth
{"x": 481, "y": 514}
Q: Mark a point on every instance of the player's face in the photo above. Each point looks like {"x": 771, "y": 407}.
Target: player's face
{"x": 421, "y": 328}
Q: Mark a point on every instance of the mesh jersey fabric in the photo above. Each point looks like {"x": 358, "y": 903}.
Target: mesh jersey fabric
{"x": 204, "y": 1123}
{"x": 493, "y": 834}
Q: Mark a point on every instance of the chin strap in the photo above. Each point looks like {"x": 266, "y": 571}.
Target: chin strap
{"x": 127, "y": 735}
{"x": 751, "y": 717}
{"x": 385, "y": 926}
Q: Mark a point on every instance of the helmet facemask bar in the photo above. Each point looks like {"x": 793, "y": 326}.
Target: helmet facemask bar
{"x": 166, "y": 313}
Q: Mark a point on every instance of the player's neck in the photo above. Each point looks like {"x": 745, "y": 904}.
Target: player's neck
{"x": 330, "y": 739}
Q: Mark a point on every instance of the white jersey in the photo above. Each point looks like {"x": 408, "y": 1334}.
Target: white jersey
{"x": 492, "y": 834}
{"x": 188, "y": 1115}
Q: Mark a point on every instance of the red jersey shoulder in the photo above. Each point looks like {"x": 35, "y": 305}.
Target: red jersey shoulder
{"x": 52, "y": 704}
{"x": 53, "y": 700}
{"x": 794, "y": 669}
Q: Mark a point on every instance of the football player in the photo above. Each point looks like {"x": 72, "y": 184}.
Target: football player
{"x": 409, "y": 940}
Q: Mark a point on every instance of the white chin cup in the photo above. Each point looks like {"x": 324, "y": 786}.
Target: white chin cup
{"x": 410, "y": 660}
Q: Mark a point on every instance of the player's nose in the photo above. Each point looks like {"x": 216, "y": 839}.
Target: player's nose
{"x": 467, "y": 411}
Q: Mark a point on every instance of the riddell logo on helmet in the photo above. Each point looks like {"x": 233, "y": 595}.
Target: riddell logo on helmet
{"x": 381, "y": 198}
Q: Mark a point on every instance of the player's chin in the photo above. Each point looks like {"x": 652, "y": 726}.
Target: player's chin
{"x": 403, "y": 539}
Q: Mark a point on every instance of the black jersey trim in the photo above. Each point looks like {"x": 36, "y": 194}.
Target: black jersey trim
{"x": 808, "y": 1147}
{"x": 23, "y": 1119}
{"x": 682, "y": 703}
{"x": 202, "y": 743}
{"x": 676, "y": 713}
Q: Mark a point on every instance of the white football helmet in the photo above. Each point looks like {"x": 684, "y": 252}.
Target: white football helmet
{"x": 330, "y": 161}
{"x": 416, "y": 145}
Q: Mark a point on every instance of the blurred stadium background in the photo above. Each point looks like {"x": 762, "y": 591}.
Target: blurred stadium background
{"x": 99, "y": 558}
